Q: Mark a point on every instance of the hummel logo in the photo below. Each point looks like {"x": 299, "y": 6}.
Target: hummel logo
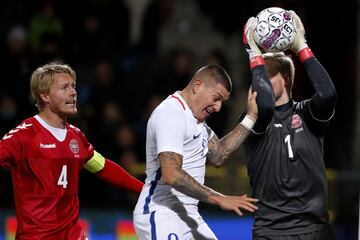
{"x": 196, "y": 136}
{"x": 53, "y": 145}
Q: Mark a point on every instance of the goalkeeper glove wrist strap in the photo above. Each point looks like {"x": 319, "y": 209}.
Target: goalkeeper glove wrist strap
{"x": 256, "y": 61}
{"x": 304, "y": 54}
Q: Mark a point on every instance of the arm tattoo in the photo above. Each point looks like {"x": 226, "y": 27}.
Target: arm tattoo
{"x": 220, "y": 150}
{"x": 183, "y": 182}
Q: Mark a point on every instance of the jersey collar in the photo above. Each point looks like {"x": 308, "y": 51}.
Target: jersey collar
{"x": 181, "y": 101}
{"x": 284, "y": 107}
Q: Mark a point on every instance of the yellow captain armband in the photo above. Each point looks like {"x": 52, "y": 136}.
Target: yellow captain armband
{"x": 96, "y": 163}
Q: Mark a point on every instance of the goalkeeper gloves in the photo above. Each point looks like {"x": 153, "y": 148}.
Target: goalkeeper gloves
{"x": 254, "y": 52}
{"x": 299, "y": 45}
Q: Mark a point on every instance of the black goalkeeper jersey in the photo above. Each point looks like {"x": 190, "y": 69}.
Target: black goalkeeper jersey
{"x": 287, "y": 172}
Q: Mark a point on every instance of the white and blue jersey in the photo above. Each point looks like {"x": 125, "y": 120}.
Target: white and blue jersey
{"x": 172, "y": 127}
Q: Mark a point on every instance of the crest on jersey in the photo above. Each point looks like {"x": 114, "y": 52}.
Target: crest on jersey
{"x": 74, "y": 146}
{"x": 296, "y": 121}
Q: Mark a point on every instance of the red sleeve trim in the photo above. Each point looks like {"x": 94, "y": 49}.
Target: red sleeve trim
{"x": 256, "y": 61}
{"x": 305, "y": 54}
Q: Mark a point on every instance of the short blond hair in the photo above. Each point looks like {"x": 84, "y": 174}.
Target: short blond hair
{"x": 43, "y": 77}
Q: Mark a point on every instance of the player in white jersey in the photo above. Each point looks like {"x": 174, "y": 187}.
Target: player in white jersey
{"x": 178, "y": 143}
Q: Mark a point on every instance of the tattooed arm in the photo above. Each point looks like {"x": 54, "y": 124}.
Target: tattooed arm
{"x": 220, "y": 150}
{"x": 173, "y": 175}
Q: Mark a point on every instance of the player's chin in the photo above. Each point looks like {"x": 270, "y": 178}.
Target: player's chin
{"x": 203, "y": 116}
{"x": 72, "y": 111}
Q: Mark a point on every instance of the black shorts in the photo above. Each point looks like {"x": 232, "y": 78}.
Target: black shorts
{"x": 324, "y": 234}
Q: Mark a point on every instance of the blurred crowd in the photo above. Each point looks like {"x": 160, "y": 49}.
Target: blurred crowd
{"x": 127, "y": 60}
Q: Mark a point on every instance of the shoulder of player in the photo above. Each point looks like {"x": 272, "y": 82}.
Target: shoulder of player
{"x": 24, "y": 129}
{"x": 299, "y": 106}
{"x": 74, "y": 129}
{"x": 169, "y": 107}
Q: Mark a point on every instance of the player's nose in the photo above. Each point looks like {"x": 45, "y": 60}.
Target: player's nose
{"x": 217, "y": 106}
{"x": 73, "y": 92}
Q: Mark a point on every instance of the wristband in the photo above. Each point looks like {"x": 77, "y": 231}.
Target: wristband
{"x": 248, "y": 122}
{"x": 304, "y": 54}
{"x": 256, "y": 61}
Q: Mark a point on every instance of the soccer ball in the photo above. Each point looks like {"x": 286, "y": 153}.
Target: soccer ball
{"x": 275, "y": 30}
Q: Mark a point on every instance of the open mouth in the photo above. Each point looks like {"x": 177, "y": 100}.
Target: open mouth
{"x": 71, "y": 102}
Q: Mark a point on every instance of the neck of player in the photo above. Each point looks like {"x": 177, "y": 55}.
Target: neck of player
{"x": 53, "y": 119}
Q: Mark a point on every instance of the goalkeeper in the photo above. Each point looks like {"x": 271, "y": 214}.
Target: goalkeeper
{"x": 286, "y": 165}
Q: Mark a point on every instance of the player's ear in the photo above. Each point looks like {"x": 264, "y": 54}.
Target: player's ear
{"x": 44, "y": 97}
{"x": 287, "y": 82}
{"x": 287, "y": 79}
{"x": 197, "y": 85}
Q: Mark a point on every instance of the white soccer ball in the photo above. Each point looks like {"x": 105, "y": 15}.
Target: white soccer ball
{"x": 275, "y": 30}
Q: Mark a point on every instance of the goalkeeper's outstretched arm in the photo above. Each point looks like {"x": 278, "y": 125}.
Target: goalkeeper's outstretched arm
{"x": 323, "y": 102}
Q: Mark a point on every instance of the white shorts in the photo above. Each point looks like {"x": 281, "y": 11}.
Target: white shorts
{"x": 166, "y": 224}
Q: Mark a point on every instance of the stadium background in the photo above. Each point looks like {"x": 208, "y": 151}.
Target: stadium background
{"x": 130, "y": 54}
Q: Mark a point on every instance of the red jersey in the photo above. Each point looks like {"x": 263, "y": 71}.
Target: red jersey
{"x": 45, "y": 176}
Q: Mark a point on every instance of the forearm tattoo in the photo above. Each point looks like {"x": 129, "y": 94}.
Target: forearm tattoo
{"x": 220, "y": 150}
{"x": 183, "y": 182}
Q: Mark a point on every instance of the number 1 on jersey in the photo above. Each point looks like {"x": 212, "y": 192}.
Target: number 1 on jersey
{"x": 290, "y": 151}
{"x": 63, "y": 177}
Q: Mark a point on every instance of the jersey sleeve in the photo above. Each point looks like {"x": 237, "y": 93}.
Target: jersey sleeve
{"x": 11, "y": 146}
{"x": 94, "y": 160}
{"x": 253, "y": 136}
{"x": 116, "y": 175}
{"x": 7, "y": 153}
{"x": 169, "y": 127}
{"x": 209, "y": 131}
{"x": 265, "y": 98}
{"x": 322, "y": 104}
{"x": 316, "y": 125}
